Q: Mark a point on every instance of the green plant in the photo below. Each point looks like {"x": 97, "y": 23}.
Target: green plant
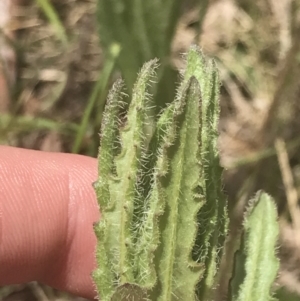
{"x": 54, "y": 20}
{"x": 130, "y": 35}
{"x": 256, "y": 264}
{"x": 164, "y": 216}
{"x": 142, "y": 29}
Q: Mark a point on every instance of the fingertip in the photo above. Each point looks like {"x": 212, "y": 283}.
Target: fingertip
{"x": 48, "y": 210}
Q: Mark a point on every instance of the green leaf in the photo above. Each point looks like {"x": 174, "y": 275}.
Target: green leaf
{"x": 163, "y": 213}
{"x": 118, "y": 184}
{"x": 104, "y": 276}
{"x": 256, "y": 263}
{"x": 144, "y": 29}
{"x": 212, "y": 218}
{"x": 178, "y": 273}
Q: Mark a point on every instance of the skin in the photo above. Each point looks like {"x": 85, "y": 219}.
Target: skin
{"x": 47, "y": 211}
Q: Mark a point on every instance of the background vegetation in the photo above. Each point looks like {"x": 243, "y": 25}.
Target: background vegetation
{"x": 59, "y": 58}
